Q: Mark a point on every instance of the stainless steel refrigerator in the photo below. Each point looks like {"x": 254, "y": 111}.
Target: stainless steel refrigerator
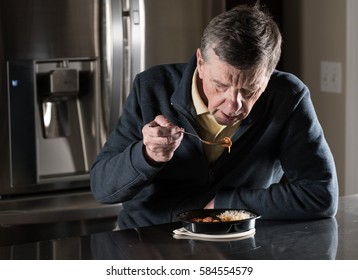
{"x": 66, "y": 67}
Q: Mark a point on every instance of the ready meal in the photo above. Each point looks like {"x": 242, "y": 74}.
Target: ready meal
{"x": 226, "y": 216}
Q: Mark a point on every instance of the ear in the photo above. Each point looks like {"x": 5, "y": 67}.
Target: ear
{"x": 199, "y": 62}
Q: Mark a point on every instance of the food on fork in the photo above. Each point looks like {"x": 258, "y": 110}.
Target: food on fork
{"x": 226, "y": 142}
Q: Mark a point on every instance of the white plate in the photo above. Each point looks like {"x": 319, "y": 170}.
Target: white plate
{"x": 182, "y": 233}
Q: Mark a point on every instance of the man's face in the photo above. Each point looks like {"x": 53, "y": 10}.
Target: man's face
{"x": 228, "y": 95}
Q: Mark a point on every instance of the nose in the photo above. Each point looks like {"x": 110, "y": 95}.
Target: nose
{"x": 233, "y": 102}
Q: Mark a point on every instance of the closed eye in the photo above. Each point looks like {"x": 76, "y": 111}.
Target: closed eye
{"x": 220, "y": 87}
{"x": 248, "y": 93}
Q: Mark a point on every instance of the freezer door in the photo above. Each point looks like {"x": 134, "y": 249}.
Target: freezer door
{"x": 44, "y": 29}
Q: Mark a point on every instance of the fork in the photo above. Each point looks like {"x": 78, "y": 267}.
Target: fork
{"x": 204, "y": 141}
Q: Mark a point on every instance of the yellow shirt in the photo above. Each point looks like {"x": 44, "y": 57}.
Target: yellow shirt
{"x": 209, "y": 129}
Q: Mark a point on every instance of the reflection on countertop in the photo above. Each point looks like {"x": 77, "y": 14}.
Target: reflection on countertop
{"x": 334, "y": 238}
{"x": 54, "y": 215}
{"x": 273, "y": 240}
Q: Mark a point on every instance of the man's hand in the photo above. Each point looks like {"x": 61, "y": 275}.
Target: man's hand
{"x": 161, "y": 138}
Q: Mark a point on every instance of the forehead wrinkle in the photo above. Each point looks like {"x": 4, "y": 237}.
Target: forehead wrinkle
{"x": 236, "y": 81}
{"x": 240, "y": 79}
{"x": 223, "y": 77}
{"x": 250, "y": 81}
{"x": 229, "y": 75}
{"x": 232, "y": 76}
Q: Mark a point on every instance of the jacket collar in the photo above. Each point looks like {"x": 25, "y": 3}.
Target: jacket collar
{"x": 181, "y": 98}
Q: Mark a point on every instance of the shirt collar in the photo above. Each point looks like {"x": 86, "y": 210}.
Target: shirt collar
{"x": 199, "y": 105}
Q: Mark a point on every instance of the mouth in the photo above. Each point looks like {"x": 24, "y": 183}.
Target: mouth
{"x": 234, "y": 117}
{"x": 226, "y": 119}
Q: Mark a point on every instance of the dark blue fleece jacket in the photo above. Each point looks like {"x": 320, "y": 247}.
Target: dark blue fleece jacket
{"x": 280, "y": 165}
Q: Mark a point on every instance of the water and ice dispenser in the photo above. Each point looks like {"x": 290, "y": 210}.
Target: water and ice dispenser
{"x": 56, "y": 88}
{"x": 54, "y": 122}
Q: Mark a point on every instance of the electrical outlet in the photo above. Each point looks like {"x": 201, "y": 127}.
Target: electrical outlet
{"x": 331, "y": 77}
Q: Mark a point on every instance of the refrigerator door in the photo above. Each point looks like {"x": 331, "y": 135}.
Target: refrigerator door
{"x": 172, "y": 29}
{"x": 143, "y": 33}
{"x": 48, "y": 142}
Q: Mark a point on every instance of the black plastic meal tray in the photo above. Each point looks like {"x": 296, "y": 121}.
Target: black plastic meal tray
{"x": 218, "y": 227}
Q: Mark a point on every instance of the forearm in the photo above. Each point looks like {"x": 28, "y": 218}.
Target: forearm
{"x": 118, "y": 176}
{"x": 279, "y": 201}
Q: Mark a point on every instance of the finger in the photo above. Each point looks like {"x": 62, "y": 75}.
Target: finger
{"x": 152, "y": 124}
{"x": 162, "y": 121}
{"x": 159, "y": 120}
{"x": 160, "y": 153}
{"x": 163, "y": 141}
{"x": 162, "y": 127}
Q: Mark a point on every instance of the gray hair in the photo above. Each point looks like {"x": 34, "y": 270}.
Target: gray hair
{"x": 245, "y": 37}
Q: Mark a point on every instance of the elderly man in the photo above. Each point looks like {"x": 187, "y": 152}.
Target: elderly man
{"x": 279, "y": 164}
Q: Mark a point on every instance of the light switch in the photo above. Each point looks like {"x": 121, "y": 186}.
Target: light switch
{"x": 331, "y": 77}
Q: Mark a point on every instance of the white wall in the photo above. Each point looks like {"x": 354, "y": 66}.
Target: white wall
{"x": 351, "y": 172}
{"x": 320, "y": 30}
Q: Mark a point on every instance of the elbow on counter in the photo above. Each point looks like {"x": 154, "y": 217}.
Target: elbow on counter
{"x": 328, "y": 205}
{"x": 101, "y": 195}
{"x": 105, "y": 190}
{"x": 99, "y": 188}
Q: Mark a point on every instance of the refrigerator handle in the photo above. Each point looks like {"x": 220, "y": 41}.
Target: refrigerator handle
{"x": 127, "y": 51}
{"x": 133, "y": 43}
{"x": 137, "y": 36}
{"x": 112, "y": 64}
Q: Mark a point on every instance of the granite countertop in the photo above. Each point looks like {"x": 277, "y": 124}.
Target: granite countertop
{"x": 334, "y": 238}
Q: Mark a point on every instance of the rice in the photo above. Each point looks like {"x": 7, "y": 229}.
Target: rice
{"x": 234, "y": 215}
